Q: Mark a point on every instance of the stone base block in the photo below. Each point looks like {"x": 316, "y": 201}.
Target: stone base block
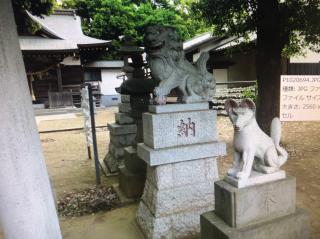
{"x": 184, "y": 225}
{"x": 131, "y": 184}
{"x": 241, "y": 207}
{"x": 255, "y": 178}
{"x": 123, "y": 140}
{"x": 176, "y": 200}
{"x": 179, "y": 128}
{"x": 292, "y": 226}
{"x": 132, "y": 162}
{"x": 124, "y": 107}
{"x": 179, "y": 174}
{"x": 123, "y": 118}
{"x": 117, "y": 129}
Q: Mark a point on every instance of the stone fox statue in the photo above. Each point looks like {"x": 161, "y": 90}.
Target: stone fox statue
{"x": 169, "y": 66}
{"x": 252, "y": 147}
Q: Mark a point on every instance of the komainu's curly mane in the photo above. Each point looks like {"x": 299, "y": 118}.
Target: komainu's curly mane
{"x": 169, "y": 66}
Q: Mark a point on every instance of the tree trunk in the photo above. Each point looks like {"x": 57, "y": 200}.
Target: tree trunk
{"x": 268, "y": 62}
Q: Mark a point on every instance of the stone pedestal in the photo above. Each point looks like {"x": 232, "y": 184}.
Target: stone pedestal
{"x": 262, "y": 211}
{"x": 122, "y": 134}
{"x": 180, "y": 148}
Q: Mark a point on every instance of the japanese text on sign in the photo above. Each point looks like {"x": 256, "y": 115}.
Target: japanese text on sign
{"x": 300, "y": 98}
{"x": 187, "y": 128}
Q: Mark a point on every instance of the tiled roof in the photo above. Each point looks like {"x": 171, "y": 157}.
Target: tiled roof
{"x": 61, "y": 32}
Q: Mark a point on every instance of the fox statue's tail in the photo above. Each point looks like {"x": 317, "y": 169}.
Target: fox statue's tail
{"x": 275, "y": 134}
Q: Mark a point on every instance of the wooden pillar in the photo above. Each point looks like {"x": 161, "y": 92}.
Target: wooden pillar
{"x": 59, "y": 78}
{"x": 27, "y": 208}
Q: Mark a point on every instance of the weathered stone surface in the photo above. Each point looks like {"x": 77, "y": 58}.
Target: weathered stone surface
{"x": 116, "y": 129}
{"x": 123, "y": 140}
{"x": 292, "y": 226}
{"x": 124, "y": 107}
{"x": 184, "y": 225}
{"x": 180, "y": 153}
{"x": 180, "y": 128}
{"x": 131, "y": 184}
{"x": 117, "y": 152}
{"x": 125, "y": 98}
{"x": 255, "y": 178}
{"x": 170, "y": 108}
{"x": 112, "y": 162}
{"x": 167, "y": 202}
{"x": 123, "y": 118}
{"x": 133, "y": 163}
{"x": 183, "y": 173}
{"x": 246, "y": 206}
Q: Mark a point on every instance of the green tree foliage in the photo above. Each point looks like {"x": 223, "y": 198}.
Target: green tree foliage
{"x": 109, "y": 19}
{"x": 36, "y": 7}
{"x": 283, "y": 28}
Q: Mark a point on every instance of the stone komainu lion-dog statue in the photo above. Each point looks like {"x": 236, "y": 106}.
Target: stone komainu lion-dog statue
{"x": 252, "y": 147}
{"x": 169, "y": 66}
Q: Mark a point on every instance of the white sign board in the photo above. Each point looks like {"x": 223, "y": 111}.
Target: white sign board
{"x": 300, "y": 98}
{"x": 86, "y": 113}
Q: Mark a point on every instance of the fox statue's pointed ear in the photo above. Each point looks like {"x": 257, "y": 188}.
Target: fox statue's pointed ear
{"x": 229, "y": 104}
{"x": 247, "y": 103}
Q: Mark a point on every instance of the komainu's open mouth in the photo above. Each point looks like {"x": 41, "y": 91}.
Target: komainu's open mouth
{"x": 155, "y": 46}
